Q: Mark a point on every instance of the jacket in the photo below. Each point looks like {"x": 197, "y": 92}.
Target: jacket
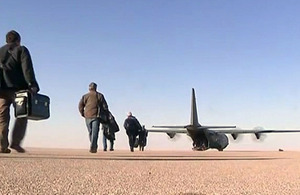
{"x": 90, "y": 104}
{"x": 16, "y": 69}
{"x": 132, "y": 125}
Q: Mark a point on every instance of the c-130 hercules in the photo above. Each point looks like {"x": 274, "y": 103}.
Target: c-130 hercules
{"x": 209, "y": 137}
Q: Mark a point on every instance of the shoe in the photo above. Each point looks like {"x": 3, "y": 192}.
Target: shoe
{"x": 5, "y": 150}
{"x": 105, "y": 150}
{"x": 111, "y": 149}
{"x": 93, "y": 150}
{"x": 18, "y": 148}
{"x": 131, "y": 149}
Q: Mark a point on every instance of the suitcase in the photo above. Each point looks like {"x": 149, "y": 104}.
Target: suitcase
{"x": 31, "y": 106}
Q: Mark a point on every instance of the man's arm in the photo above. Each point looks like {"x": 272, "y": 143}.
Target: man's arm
{"x": 103, "y": 103}
{"x": 139, "y": 126}
{"x": 28, "y": 71}
{"x": 125, "y": 124}
{"x": 81, "y": 106}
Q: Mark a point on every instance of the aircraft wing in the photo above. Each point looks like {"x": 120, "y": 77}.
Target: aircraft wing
{"x": 178, "y": 130}
{"x": 170, "y": 132}
{"x": 245, "y": 131}
{"x": 235, "y": 132}
{"x": 170, "y": 127}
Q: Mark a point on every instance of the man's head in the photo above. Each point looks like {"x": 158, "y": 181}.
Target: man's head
{"x": 129, "y": 114}
{"x": 13, "y": 37}
{"x": 92, "y": 86}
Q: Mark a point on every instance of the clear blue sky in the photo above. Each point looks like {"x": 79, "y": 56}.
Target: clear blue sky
{"x": 242, "y": 58}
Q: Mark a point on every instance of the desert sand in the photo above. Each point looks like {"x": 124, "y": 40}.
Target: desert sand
{"x": 66, "y": 171}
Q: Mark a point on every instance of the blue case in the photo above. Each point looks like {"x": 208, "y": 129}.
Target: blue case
{"x": 31, "y": 106}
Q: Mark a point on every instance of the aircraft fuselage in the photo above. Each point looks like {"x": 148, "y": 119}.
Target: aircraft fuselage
{"x": 204, "y": 139}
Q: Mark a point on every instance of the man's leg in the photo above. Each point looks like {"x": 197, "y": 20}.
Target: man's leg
{"x": 5, "y": 102}
{"x": 18, "y": 134}
{"x": 111, "y": 145}
{"x": 89, "y": 123}
{"x": 131, "y": 142}
{"x": 95, "y": 133}
{"x": 104, "y": 140}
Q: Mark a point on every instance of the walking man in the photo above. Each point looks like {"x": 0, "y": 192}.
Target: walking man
{"x": 132, "y": 126}
{"x": 91, "y": 107}
{"x": 16, "y": 73}
{"x": 143, "y": 138}
{"x": 108, "y": 135}
{"x": 109, "y": 131}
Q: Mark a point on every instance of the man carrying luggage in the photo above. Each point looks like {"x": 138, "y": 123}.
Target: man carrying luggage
{"x": 16, "y": 73}
{"x": 132, "y": 126}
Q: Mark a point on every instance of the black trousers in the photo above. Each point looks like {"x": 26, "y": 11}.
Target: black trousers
{"x": 19, "y": 129}
{"x": 132, "y": 139}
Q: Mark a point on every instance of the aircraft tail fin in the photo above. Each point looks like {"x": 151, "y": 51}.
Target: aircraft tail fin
{"x": 194, "y": 115}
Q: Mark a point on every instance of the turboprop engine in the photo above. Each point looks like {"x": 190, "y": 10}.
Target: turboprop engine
{"x": 171, "y": 134}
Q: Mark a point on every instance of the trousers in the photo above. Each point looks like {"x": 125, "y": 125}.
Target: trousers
{"x": 93, "y": 129}
{"x": 104, "y": 139}
{"x": 19, "y": 129}
{"x": 132, "y": 140}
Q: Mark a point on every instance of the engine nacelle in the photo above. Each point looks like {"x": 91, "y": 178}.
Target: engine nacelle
{"x": 257, "y": 135}
{"x": 234, "y": 135}
{"x": 171, "y": 134}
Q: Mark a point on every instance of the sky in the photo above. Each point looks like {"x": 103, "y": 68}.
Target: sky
{"x": 242, "y": 58}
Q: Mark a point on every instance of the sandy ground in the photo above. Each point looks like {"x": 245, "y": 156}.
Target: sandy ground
{"x": 49, "y": 171}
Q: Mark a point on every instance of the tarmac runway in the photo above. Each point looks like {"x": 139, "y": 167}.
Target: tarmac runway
{"x": 65, "y": 171}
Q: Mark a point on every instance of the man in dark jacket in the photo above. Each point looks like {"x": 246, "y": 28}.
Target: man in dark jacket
{"x": 16, "y": 73}
{"x": 91, "y": 106}
{"x": 143, "y": 134}
{"x": 109, "y": 131}
{"x": 132, "y": 126}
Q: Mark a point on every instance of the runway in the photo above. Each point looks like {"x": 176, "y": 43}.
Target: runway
{"x": 66, "y": 171}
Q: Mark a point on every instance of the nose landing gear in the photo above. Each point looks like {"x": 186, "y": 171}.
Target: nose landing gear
{"x": 200, "y": 144}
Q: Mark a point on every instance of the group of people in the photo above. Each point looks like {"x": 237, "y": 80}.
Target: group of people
{"x": 93, "y": 107}
{"x": 17, "y": 73}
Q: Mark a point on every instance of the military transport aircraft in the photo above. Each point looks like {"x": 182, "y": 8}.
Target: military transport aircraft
{"x": 209, "y": 137}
